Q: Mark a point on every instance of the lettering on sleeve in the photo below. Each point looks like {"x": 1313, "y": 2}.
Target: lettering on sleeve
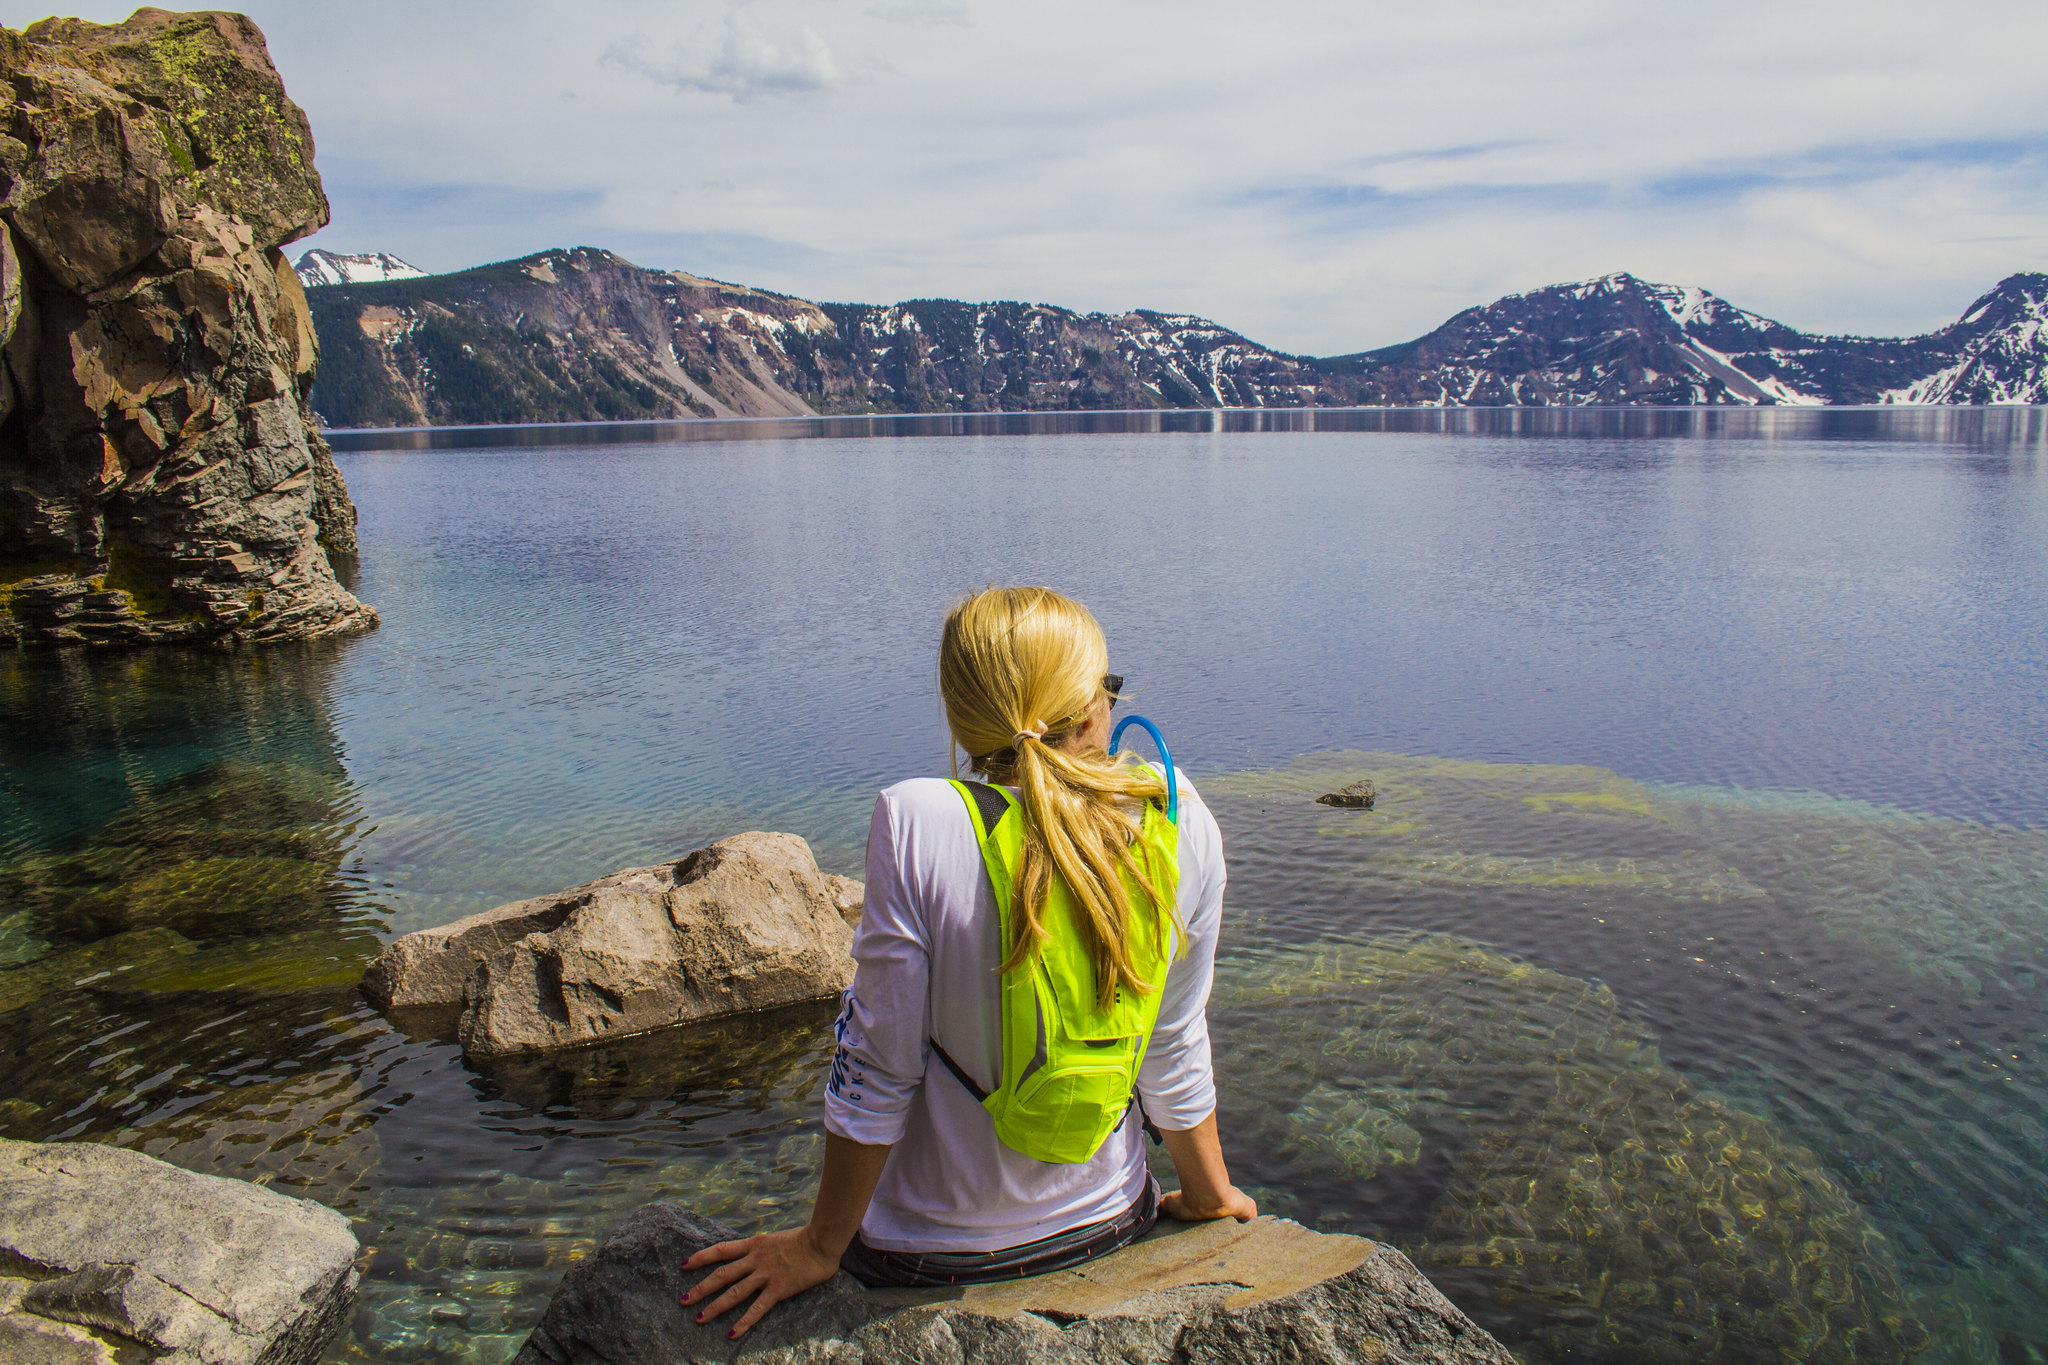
{"x": 846, "y": 1079}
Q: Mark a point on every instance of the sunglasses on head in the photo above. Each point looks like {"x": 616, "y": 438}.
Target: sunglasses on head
{"x": 1113, "y": 683}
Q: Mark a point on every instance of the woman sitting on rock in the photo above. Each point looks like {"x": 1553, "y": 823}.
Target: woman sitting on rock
{"x": 1032, "y": 968}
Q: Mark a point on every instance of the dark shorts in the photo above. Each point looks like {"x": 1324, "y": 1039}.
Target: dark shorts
{"x": 1061, "y": 1251}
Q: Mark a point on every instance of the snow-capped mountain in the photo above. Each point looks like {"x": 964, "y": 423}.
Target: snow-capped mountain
{"x": 583, "y": 334}
{"x": 2003, "y": 352}
{"x": 1623, "y": 340}
{"x": 319, "y": 267}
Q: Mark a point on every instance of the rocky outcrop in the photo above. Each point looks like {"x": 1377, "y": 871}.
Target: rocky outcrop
{"x": 746, "y": 924}
{"x": 161, "y": 476}
{"x": 1360, "y": 794}
{"x": 1195, "y": 1294}
{"x": 107, "y": 1254}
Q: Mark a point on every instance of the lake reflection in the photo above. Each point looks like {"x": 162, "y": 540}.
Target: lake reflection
{"x": 2000, "y": 427}
{"x": 1679, "y": 999}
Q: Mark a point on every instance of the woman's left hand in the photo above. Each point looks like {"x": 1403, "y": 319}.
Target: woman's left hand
{"x": 768, "y": 1268}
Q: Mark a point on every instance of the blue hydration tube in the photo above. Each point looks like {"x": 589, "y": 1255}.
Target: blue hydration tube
{"x": 1172, "y": 784}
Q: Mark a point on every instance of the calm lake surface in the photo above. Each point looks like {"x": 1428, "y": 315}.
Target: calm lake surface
{"x": 1684, "y": 997}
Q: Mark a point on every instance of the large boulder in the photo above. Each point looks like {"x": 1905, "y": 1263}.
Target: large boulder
{"x": 104, "y": 1251}
{"x": 745, "y": 924}
{"x": 1194, "y": 1294}
{"x": 161, "y": 474}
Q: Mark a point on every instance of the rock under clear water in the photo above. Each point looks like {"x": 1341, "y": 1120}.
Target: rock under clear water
{"x": 1589, "y": 1203}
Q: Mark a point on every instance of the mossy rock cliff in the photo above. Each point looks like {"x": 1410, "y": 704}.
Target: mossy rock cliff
{"x": 161, "y": 474}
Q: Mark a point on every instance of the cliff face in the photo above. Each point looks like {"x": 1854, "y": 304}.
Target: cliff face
{"x": 161, "y": 477}
{"x": 583, "y": 335}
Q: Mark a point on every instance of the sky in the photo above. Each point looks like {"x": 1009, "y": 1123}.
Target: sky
{"x": 1323, "y": 177}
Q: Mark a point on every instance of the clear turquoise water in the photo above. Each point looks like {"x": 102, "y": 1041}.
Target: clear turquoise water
{"x": 1714, "y": 754}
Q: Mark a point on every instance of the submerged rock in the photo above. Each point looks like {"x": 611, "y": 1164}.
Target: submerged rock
{"x": 103, "y": 963}
{"x": 1360, "y": 794}
{"x": 1581, "y": 1198}
{"x": 161, "y": 474}
{"x": 745, "y": 924}
{"x": 107, "y": 1254}
{"x": 1198, "y": 1294}
{"x": 18, "y": 944}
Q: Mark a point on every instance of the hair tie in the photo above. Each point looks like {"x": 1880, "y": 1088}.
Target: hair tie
{"x": 1036, "y": 730}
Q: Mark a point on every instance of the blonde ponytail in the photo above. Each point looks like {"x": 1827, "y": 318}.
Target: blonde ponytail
{"x": 1020, "y": 670}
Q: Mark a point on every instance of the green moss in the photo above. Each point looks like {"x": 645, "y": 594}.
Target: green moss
{"x": 18, "y": 942}
{"x": 128, "y": 572}
{"x": 91, "y": 965}
{"x": 182, "y": 55}
{"x": 14, "y": 571}
{"x": 1597, "y": 805}
{"x": 319, "y": 960}
{"x": 225, "y": 125}
{"x": 199, "y": 896}
{"x": 1938, "y": 900}
{"x": 174, "y": 144}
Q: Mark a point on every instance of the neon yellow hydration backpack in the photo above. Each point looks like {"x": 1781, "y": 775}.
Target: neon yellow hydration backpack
{"x": 1070, "y": 1069}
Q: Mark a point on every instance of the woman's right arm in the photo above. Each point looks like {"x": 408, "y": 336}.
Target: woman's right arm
{"x": 877, "y": 1067}
{"x": 880, "y": 1057}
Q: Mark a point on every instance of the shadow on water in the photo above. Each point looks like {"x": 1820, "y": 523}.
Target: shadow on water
{"x": 1995, "y": 427}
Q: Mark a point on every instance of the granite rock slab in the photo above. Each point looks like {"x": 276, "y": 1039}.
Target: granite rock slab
{"x": 1195, "y": 1294}
{"x": 110, "y": 1255}
{"x": 748, "y": 923}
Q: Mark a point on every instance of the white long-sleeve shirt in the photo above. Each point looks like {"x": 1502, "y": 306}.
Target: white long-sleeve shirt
{"x": 925, "y": 960}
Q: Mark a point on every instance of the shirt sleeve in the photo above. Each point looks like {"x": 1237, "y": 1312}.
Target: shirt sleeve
{"x": 1178, "y": 1081}
{"x": 880, "y": 1057}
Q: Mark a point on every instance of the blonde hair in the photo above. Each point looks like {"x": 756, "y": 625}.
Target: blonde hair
{"x": 1012, "y": 660}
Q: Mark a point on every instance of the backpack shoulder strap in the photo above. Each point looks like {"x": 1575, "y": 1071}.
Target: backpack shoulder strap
{"x": 988, "y": 803}
{"x": 987, "y": 807}
{"x": 960, "y": 1073}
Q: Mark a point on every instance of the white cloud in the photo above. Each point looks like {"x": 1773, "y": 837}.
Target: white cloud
{"x": 741, "y": 62}
{"x": 924, "y": 12}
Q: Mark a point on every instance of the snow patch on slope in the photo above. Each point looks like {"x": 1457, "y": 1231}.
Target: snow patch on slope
{"x": 317, "y": 267}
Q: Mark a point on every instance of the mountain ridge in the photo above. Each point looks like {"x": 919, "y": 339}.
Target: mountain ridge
{"x": 580, "y": 334}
